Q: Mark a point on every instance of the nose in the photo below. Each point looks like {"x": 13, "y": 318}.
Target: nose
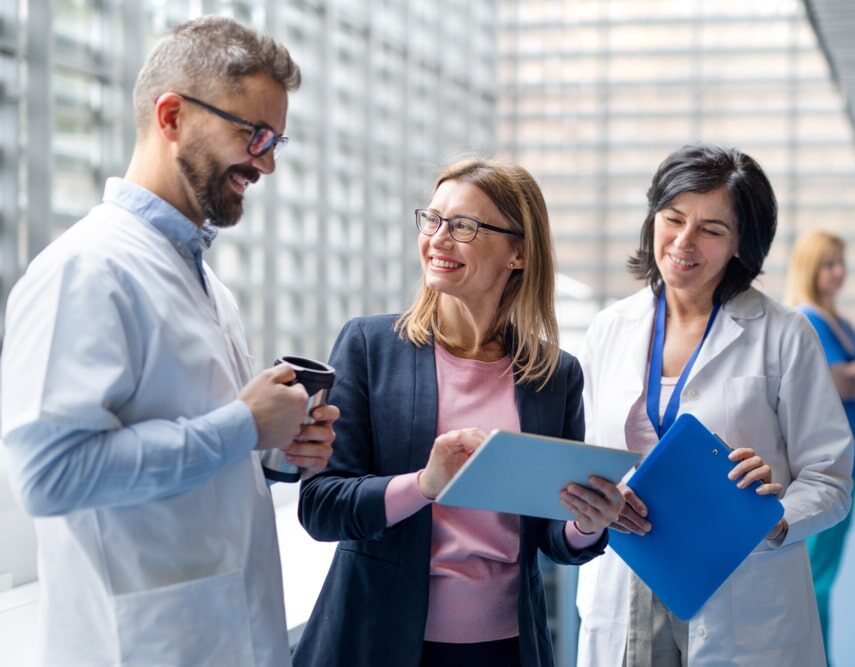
{"x": 441, "y": 237}
{"x": 686, "y": 237}
{"x": 266, "y": 164}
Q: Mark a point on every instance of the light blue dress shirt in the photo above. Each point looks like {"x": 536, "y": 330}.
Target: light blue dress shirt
{"x": 56, "y": 469}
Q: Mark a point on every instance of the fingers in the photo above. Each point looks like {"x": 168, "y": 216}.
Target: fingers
{"x": 282, "y": 373}
{"x": 594, "y": 508}
{"x": 773, "y": 489}
{"x": 632, "y": 510}
{"x": 316, "y": 433}
{"x": 608, "y": 489}
{"x": 750, "y": 468}
{"x": 632, "y": 518}
{"x": 588, "y": 518}
{"x": 631, "y": 521}
{"x": 309, "y": 455}
{"x": 325, "y": 414}
{"x": 605, "y": 494}
{"x": 740, "y": 454}
{"x": 316, "y": 463}
{"x": 632, "y": 500}
{"x": 469, "y": 438}
{"x": 472, "y": 438}
{"x": 761, "y": 474}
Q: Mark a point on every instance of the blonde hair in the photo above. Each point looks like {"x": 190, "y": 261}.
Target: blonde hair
{"x": 809, "y": 252}
{"x": 525, "y": 321}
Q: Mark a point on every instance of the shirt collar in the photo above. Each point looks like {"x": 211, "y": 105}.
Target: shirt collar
{"x": 186, "y": 237}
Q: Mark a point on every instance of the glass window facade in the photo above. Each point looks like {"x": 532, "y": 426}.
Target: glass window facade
{"x": 596, "y": 94}
{"x": 389, "y": 95}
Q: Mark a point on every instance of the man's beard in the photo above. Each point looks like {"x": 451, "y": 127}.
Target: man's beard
{"x": 220, "y": 204}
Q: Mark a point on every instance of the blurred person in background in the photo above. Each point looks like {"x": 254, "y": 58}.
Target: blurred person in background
{"x": 816, "y": 275}
{"x": 414, "y": 583}
{"x": 699, "y": 339}
{"x": 130, "y": 412}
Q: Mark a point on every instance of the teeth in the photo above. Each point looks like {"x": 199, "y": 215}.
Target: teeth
{"x": 240, "y": 180}
{"x": 680, "y": 261}
{"x": 441, "y": 263}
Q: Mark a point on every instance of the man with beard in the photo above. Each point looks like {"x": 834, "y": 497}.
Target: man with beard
{"x": 131, "y": 418}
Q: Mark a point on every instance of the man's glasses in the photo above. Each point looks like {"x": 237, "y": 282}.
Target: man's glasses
{"x": 461, "y": 228}
{"x": 262, "y": 139}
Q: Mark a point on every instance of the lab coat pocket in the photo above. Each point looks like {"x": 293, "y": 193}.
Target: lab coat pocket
{"x": 204, "y": 622}
{"x": 770, "y": 594}
{"x": 752, "y": 418}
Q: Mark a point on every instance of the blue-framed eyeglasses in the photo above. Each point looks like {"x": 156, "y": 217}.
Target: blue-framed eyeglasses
{"x": 263, "y": 137}
{"x": 460, "y": 227}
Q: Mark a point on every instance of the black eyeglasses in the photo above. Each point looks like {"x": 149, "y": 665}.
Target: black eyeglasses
{"x": 460, "y": 227}
{"x": 262, "y": 139}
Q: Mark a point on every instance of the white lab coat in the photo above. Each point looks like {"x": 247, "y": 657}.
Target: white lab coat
{"x": 191, "y": 579}
{"x": 761, "y": 381}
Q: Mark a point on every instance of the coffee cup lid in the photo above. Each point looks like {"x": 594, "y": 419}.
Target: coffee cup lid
{"x": 309, "y": 370}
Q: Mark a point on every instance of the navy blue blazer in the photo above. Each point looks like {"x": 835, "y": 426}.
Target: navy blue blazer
{"x": 372, "y": 609}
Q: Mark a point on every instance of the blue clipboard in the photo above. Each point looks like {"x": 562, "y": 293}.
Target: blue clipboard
{"x": 521, "y": 473}
{"x": 703, "y": 525}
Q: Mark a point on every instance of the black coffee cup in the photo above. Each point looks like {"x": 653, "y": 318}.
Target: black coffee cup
{"x": 317, "y": 377}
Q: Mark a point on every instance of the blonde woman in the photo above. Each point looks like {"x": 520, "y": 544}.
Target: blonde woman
{"x": 817, "y": 272}
{"x": 414, "y": 584}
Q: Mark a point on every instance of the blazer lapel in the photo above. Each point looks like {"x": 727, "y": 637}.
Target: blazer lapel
{"x": 424, "y": 405}
{"x": 527, "y": 408}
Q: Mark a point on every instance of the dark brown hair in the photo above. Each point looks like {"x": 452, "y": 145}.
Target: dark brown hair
{"x": 704, "y": 168}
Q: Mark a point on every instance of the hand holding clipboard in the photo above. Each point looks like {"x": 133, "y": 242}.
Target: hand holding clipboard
{"x": 698, "y": 525}
{"x": 750, "y": 468}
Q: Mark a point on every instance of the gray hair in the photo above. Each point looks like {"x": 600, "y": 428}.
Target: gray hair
{"x": 202, "y": 56}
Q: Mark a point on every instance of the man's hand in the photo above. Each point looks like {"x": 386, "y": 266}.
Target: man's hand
{"x": 278, "y": 409}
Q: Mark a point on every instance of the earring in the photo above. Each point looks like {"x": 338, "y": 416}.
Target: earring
{"x": 511, "y": 265}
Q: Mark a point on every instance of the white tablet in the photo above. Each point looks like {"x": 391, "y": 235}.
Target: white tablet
{"x": 521, "y": 473}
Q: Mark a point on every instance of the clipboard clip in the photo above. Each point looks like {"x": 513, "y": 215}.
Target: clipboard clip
{"x": 728, "y": 447}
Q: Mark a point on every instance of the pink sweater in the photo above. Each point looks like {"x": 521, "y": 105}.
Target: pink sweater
{"x": 474, "y": 566}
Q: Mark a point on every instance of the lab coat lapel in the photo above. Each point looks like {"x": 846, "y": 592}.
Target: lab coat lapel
{"x": 724, "y": 333}
{"x": 726, "y": 329}
{"x": 636, "y": 348}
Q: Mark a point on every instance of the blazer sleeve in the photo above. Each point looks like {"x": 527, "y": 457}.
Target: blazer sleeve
{"x": 553, "y": 543}
{"x": 346, "y": 500}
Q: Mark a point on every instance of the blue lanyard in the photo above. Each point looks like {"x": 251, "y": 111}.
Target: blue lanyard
{"x": 654, "y": 378}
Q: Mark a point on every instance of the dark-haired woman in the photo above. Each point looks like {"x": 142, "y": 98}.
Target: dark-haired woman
{"x": 751, "y": 371}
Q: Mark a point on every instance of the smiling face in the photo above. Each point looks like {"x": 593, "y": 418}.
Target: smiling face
{"x": 475, "y": 272}
{"x": 694, "y": 238}
{"x": 831, "y": 275}
{"x": 213, "y": 158}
